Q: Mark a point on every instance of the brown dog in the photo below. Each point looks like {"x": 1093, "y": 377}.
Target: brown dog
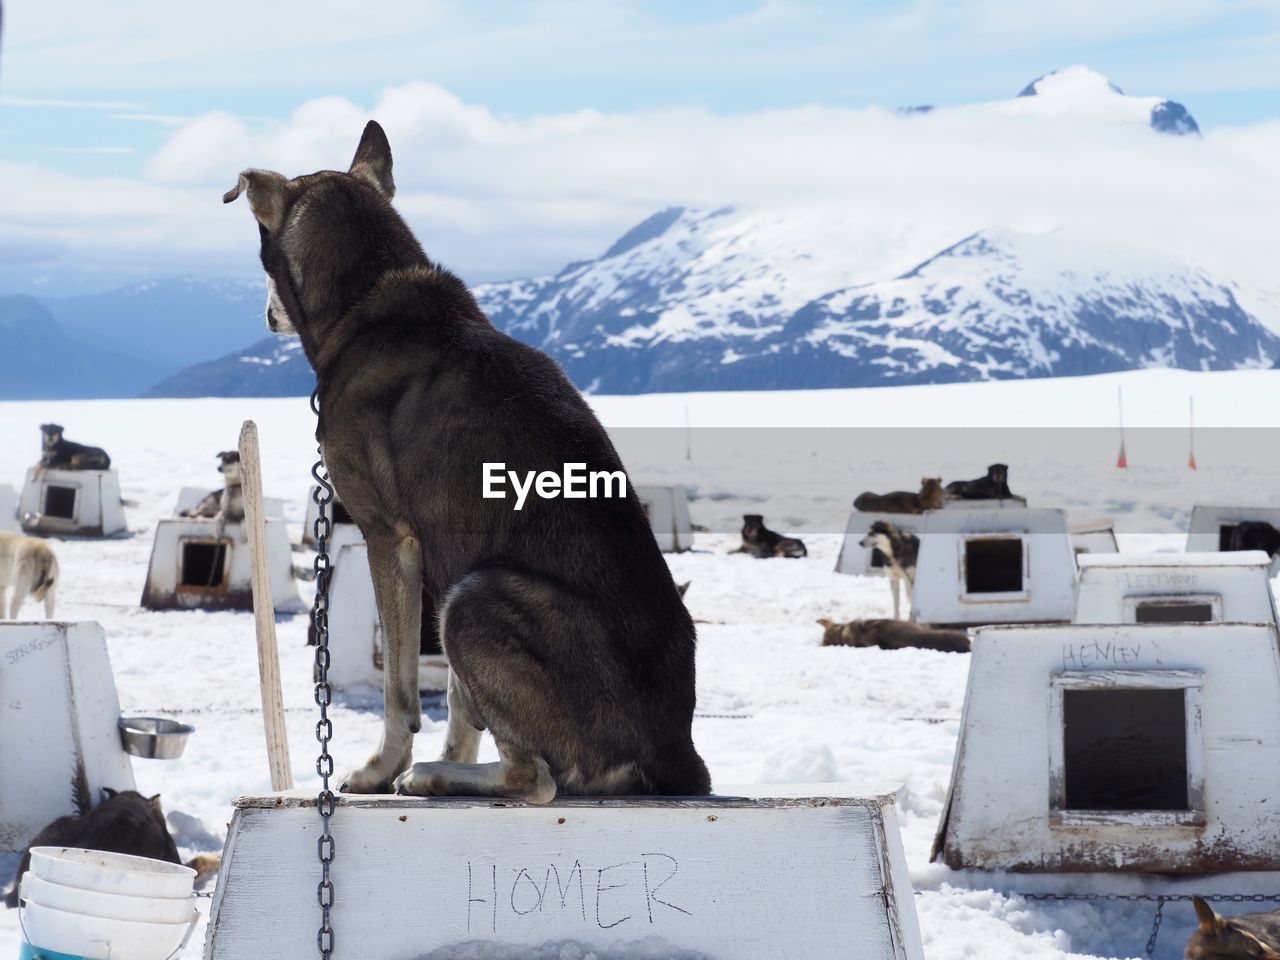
{"x": 1249, "y": 936}
{"x": 930, "y": 497}
{"x": 892, "y": 635}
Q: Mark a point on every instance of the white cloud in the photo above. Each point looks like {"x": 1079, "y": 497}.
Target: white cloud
{"x": 499, "y": 196}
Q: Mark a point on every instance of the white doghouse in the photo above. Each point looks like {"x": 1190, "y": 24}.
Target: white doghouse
{"x": 859, "y": 561}
{"x": 197, "y": 565}
{"x": 802, "y": 872}
{"x": 1211, "y": 527}
{"x": 355, "y": 633}
{"x": 668, "y": 510}
{"x": 1176, "y": 588}
{"x": 58, "y": 725}
{"x": 1011, "y": 565}
{"x": 77, "y": 503}
{"x": 1096, "y": 537}
{"x": 1150, "y": 748}
{"x": 344, "y": 531}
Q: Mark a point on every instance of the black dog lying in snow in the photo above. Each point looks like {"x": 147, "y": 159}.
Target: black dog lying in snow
{"x": 1254, "y": 535}
{"x": 892, "y": 635}
{"x": 62, "y": 454}
{"x": 762, "y": 543}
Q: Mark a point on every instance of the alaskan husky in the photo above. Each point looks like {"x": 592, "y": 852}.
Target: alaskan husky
{"x": 565, "y": 633}
{"x": 930, "y": 497}
{"x": 227, "y": 503}
{"x": 900, "y": 552}
{"x": 29, "y": 566}
{"x": 59, "y": 453}
{"x": 994, "y": 486}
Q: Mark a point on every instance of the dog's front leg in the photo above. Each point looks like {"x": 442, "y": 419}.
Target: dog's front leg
{"x": 395, "y": 562}
{"x": 462, "y": 740}
{"x": 893, "y": 584}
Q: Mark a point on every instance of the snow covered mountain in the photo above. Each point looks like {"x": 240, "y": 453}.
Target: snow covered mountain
{"x": 913, "y": 284}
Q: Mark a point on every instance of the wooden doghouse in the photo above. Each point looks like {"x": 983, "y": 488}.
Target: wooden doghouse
{"x": 9, "y": 509}
{"x": 668, "y": 510}
{"x": 1211, "y": 527}
{"x": 355, "y": 632}
{"x": 1098, "y": 536}
{"x": 1012, "y": 565}
{"x": 752, "y": 877}
{"x": 200, "y": 564}
{"x": 77, "y": 503}
{"x": 190, "y": 497}
{"x": 1159, "y": 750}
{"x": 58, "y": 736}
{"x": 1176, "y": 588}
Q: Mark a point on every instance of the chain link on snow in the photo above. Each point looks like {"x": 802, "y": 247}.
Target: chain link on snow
{"x": 1159, "y": 899}
{"x": 322, "y": 494}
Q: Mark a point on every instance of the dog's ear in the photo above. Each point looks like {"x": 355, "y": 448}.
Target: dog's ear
{"x": 266, "y": 192}
{"x": 1210, "y": 921}
{"x": 372, "y": 161}
{"x": 825, "y": 623}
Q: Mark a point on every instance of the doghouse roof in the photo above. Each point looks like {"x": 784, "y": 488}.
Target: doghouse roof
{"x": 1230, "y": 558}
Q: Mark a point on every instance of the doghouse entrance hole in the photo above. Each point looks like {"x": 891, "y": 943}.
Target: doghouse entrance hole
{"x": 1173, "y": 611}
{"x": 204, "y": 564}
{"x": 60, "y": 502}
{"x": 993, "y": 565}
{"x": 340, "y": 514}
{"x": 1125, "y": 749}
{"x": 878, "y": 559}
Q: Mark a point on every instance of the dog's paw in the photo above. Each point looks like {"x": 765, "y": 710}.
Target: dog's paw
{"x": 422, "y": 780}
{"x": 371, "y": 778}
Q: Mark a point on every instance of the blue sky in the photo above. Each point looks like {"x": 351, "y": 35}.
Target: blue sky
{"x": 96, "y": 92}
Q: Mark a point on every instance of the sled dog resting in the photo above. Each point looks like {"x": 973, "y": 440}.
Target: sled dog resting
{"x": 892, "y": 635}
{"x": 762, "y": 543}
{"x": 29, "y": 566}
{"x": 565, "y": 634}
{"x": 227, "y": 503}
{"x": 62, "y": 454}
{"x": 994, "y": 486}
{"x": 929, "y": 497}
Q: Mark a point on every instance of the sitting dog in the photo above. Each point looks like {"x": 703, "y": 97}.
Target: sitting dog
{"x": 1248, "y": 936}
{"x": 900, "y": 551}
{"x": 762, "y": 543}
{"x": 565, "y": 633}
{"x": 930, "y": 497}
{"x": 994, "y": 486}
{"x": 227, "y": 503}
{"x": 63, "y": 454}
{"x": 27, "y": 564}
{"x": 1254, "y": 535}
{"x": 892, "y": 635}
{"x": 124, "y": 822}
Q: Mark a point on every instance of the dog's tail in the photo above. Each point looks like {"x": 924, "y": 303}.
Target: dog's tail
{"x": 866, "y": 501}
{"x": 48, "y": 574}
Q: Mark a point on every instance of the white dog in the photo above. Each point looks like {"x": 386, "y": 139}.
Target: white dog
{"x": 28, "y": 565}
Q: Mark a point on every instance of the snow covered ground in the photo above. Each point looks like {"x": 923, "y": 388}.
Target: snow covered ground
{"x": 774, "y": 706}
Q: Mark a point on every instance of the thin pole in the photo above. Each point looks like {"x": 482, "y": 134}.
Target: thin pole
{"x": 688, "y": 435}
{"x": 264, "y": 615}
{"x": 1122, "y": 461}
{"x": 1191, "y": 432}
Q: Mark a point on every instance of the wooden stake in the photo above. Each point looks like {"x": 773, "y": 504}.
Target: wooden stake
{"x": 264, "y": 614}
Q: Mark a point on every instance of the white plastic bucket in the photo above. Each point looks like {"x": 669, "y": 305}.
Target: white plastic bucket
{"x": 113, "y": 906}
{"x": 116, "y": 873}
{"x": 101, "y": 938}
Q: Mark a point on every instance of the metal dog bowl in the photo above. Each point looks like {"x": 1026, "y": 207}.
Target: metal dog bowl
{"x": 156, "y": 738}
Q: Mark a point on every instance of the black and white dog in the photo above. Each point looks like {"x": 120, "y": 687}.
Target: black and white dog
{"x": 62, "y": 454}
{"x": 900, "y": 551}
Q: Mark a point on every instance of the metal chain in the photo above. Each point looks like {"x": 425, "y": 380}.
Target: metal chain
{"x": 322, "y": 494}
{"x": 1159, "y": 899}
